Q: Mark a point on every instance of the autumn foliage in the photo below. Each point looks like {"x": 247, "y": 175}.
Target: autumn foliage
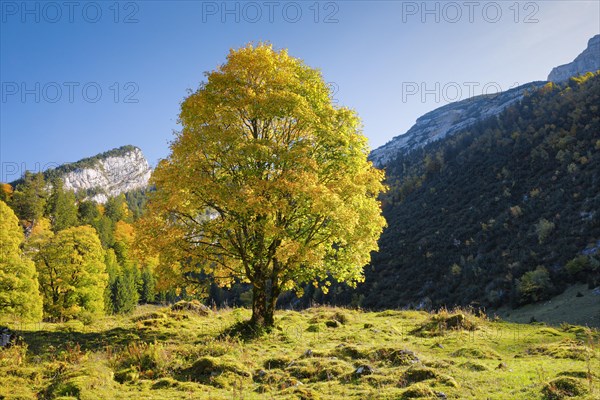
{"x": 268, "y": 182}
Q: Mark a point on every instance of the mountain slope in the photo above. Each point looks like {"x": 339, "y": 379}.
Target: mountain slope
{"x": 470, "y": 215}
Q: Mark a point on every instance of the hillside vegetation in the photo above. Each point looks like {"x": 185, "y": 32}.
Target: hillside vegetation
{"x": 190, "y": 352}
{"x": 503, "y": 213}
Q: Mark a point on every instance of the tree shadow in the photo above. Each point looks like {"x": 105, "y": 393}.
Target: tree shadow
{"x": 245, "y": 331}
{"x": 44, "y": 341}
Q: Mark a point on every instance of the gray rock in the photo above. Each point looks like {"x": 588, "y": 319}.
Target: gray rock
{"x": 110, "y": 176}
{"x": 588, "y": 61}
{"x": 364, "y": 370}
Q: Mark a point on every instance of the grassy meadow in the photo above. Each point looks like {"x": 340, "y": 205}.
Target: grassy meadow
{"x": 319, "y": 353}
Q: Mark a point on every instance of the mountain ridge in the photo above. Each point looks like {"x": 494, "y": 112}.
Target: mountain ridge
{"x": 454, "y": 117}
{"x": 449, "y": 119}
{"x": 587, "y": 61}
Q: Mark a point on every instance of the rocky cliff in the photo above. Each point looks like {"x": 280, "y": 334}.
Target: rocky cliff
{"x": 588, "y": 61}
{"x": 455, "y": 117}
{"x": 447, "y": 120}
{"x": 108, "y": 174}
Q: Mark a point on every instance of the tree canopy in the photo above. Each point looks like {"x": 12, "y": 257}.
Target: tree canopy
{"x": 72, "y": 272}
{"x": 19, "y": 294}
{"x": 268, "y": 182}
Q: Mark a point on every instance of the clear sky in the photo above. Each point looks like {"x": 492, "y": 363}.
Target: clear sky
{"x": 79, "y": 77}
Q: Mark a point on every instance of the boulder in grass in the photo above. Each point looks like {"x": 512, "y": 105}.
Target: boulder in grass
{"x": 194, "y": 306}
{"x": 363, "y": 370}
{"x": 6, "y": 336}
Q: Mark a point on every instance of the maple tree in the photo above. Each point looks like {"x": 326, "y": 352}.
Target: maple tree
{"x": 19, "y": 293}
{"x": 72, "y": 273}
{"x": 268, "y": 182}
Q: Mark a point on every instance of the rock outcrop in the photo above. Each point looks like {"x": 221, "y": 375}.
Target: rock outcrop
{"x": 108, "y": 174}
{"x": 588, "y": 61}
{"x": 447, "y": 120}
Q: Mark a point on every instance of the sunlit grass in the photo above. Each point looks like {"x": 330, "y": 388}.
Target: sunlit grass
{"x": 322, "y": 352}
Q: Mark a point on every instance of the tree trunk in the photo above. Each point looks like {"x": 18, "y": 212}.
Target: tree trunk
{"x": 264, "y": 300}
{"x": 271, "y": 303}
{"x": 259, "y": 306}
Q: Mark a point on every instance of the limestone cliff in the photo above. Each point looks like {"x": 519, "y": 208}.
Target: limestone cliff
{"x": 108, "y": 174}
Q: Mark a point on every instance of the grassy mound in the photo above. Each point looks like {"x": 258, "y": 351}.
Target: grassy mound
{"x": 566, "y": 348}
{"x": 481, "y": 352}
{"x": 440, "y": 323}
{"x": 319, "y": 369}
{"x": 394, "y": 356}
{"x": 350, "y": 352}
{"x": 420, "y": 374}
{"x": 474, "y": 366}
{"x": 564, "y": 387}
{"x": 193, "y": 306}
{"x": 419, "y": 391}
{"x": 206, "y": 368}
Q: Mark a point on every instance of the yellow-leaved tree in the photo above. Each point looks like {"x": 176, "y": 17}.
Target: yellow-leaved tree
{"x": 19, "y": 293}
{"x": 72, "y": 273}
{"x": 268, "y": 182}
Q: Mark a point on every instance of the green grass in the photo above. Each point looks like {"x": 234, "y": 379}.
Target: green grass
{"x": 158, "y": 353}
{"x": 578, "y": 305}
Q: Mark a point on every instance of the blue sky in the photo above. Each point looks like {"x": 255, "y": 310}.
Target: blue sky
{"x": 83, "y": 78}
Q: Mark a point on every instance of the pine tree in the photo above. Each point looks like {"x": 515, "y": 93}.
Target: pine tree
{"x": 121, "y": 294}
{"x": 113, "y": 269}
{"x": 148, "y": 292}
{"x": 19, "y": 294}
{"x": 105, "y": 227}
{"x": 62, "y": 207}
{"x": 88, "y": 212}
{"x": 117, "y": 209}
{"x": 125, "y": 294}
{"x": 29, "y": 198}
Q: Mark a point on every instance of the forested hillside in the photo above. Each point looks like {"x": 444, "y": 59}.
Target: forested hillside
{"x": 504, "y": 212}
{"x": 76, "y": 256}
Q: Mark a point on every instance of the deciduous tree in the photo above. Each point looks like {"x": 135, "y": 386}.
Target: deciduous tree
{"x": 19, "y": 294}
{"x": 268, "y": 182}
{"x": 72, "y": 273}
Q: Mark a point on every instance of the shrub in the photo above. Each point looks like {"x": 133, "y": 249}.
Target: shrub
{"x": 543, "y": 229}
{"x": 577, "y": 265}
{"x": 534, "y": 285}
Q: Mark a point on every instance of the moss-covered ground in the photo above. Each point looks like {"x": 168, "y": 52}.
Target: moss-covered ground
{"x": 319, "y": 353}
